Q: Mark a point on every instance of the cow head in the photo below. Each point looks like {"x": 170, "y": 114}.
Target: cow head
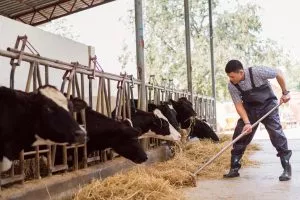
{"x": 168, "y": 111}
{"x": 129, "y": 146}
{"x": 202, "y": 129}
{"x": 184, "y": 109}
{"x": 123, "y": 140}
{"x": 161, "y": 126}
{"x": 55, "y": 122}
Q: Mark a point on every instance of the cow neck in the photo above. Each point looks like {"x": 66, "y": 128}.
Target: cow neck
{"x": 33, "y": 128}
{"x": 192, "y": 123}
{"x": 143, "y": 120}
{"x": 189, "y": 122}
{"x": 24, "y": 118}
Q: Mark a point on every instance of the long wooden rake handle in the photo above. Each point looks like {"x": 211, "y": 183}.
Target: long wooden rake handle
{"x": 235, "y": 140}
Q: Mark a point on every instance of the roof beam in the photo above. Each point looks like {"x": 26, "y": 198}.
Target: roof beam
{"x": 38, "y": 15}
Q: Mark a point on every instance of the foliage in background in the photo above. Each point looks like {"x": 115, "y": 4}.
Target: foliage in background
{"x": 236, "y": 36}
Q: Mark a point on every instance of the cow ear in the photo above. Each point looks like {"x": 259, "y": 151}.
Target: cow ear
{"x": 78, "y": 104}
{"x": 127, "y": 122}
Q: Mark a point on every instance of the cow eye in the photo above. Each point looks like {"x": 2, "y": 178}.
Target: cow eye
{"x": 165, "y": 124}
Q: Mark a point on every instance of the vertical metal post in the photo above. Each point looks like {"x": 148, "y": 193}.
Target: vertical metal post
{"x": 212, "y": 63}
{"x": 188, "y": 47}
{"x": 140, "y": 50}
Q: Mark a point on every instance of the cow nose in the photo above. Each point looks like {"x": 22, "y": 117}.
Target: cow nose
{"x": 80, "y": 136}
{"x": 141, "y": 160}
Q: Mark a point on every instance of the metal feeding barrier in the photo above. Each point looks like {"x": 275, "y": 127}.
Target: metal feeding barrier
{"x": 77, "y": 79}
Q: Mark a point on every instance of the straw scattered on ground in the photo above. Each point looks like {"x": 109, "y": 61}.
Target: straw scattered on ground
{"x": 162, "y": 180}
{"x": 136, "y": 184}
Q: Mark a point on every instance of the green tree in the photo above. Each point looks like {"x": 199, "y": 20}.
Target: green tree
{"x": 236, "y": 35}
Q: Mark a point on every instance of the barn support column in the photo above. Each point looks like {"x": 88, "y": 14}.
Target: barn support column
{"x": 188, "y": 48}
{"x": 213, "y": 80}
{"x": 139, "y": 27}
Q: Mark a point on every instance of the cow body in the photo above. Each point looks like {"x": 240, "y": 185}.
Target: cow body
{"x": 104, "y": 132}
{"x": 33, "y": 118}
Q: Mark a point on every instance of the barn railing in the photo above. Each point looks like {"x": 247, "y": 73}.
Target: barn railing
{"x": 76, "y": 80}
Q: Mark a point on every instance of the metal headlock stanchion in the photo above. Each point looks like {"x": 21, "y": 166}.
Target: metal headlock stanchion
{"x": 235, "y": 140}
{"x": 34, "y": 76}
{"x": 120, "y": 86}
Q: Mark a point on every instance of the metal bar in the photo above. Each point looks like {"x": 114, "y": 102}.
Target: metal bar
{"x": 34, "y": 77}
{"x": 109, "y": 95}
{"x": 37, "y": 163}
{"x": 38, "y": 71}
{"x": 13, "y": 53}
{"x": 77, "y": 86}
{"x": 107, "y": 102}
{"x": 90, "y": 92}
{"x": 99, "y": 95}
{"x": 30, "y": 74}
{"x": 46, "y": 74}
{"x": 140, "y": 50}
{"x": 12, "y": 76}
{"x": 82, "y": 87}
{"x": 102, "y": 96}
{"x": 213, "y": 79}
{"x": 188, "y": 45}
{"x": 49, "y": 166}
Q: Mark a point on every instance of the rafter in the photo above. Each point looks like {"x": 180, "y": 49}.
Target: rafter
{"x": 41, "y": 11}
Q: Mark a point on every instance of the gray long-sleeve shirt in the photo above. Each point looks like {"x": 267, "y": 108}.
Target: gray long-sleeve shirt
{"x": 261, "y": 74}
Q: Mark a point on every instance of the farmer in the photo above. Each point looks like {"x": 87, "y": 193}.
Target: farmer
{"x": 253, "y": 97}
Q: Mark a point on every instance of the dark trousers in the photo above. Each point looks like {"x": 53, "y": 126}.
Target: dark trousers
{"x": 272, "y": 125}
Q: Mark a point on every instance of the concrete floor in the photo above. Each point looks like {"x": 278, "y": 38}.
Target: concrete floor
{"x": 259, "y": 183}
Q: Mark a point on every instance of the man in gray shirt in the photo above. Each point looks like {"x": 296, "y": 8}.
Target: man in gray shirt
{"x": 253, "y": 97}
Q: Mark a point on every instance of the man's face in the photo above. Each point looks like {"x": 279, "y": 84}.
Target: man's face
{"x": 236, "y": 77}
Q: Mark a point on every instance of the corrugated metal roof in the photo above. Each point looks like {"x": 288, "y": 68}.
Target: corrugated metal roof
{"x": 35, "y": 12}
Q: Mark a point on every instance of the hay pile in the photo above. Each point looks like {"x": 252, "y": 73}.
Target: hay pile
{"x": 135, "y": 184}
{"x": 162, "y": 180}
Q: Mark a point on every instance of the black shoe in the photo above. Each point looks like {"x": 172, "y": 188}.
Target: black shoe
{"x": 287, "y": 169}
{"x": 232, "y": 173}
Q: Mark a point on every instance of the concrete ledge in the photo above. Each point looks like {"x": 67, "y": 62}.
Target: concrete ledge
{"x": 63, "y": 186}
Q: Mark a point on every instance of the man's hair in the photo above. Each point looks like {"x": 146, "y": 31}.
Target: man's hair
{"x": 233, "y": 66}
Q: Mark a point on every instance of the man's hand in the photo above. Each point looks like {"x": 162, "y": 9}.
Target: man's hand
{"x": 247, "y": 128}
{"x": 285, "y": 98}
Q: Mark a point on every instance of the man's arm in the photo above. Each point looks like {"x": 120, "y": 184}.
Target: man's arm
{"x": 281, "y": 81}
{"x": 242, "y": 112}
{"x": 285, "y": 93}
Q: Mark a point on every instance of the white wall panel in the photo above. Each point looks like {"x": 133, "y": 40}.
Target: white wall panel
{"x": 47, "y": 44}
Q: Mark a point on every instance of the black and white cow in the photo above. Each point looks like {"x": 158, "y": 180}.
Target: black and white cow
{"x": 153, "y": 123}
{"x": 104, "y": 132}
{"x": 185, "y": 111}
{"x": 28, "y": 119}
{"x": 186, "y": 116}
